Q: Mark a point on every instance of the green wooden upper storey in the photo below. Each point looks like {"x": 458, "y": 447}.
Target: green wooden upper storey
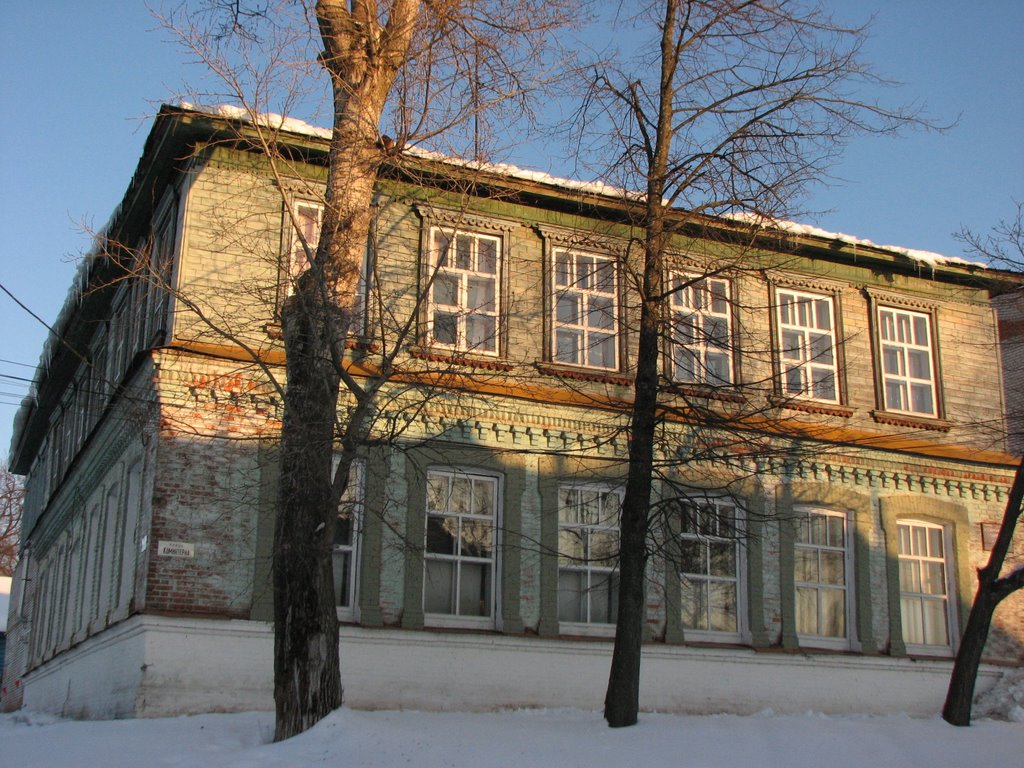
{"x": 205, "y": 198}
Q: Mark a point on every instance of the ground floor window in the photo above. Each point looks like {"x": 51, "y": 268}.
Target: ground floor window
{"x": 346, "y": 544}
{"x": 709, "y": 568}
{"x": 459, "y": 562}
{"x": 821, "y": 562}
{"x": 588, "y": 546}
{"x": 924, "y": 583}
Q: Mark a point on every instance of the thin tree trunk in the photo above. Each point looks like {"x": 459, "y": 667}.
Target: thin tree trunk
{"x": 622, "y": 699}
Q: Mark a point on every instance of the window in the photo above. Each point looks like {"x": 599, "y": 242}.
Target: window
{"x": 588, "y": 547}
{"x": 347, "y": 532}
{"x": 304, "y": 232}
{"x": 924, "y": 584}
{"x": 464, "y": 294}
{"x": 585, "y": 324}
{"x": 807, "y": 346}
{"x": 459, "y": 560}
{"x": 700, "y": 330}
{"x": 709, "y": 568}
{"x": 907, "y": 372}
{"x": 821, "y": 562}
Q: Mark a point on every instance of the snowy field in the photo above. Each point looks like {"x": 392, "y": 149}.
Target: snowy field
{"x": 353, "y": 739}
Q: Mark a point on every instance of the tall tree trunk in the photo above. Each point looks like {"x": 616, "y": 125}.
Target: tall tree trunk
{"x": 991, "y": 591}
{"x": 307, "y": 677}
{"x": 362, "y": 55}
{"x": 622, "y": 699}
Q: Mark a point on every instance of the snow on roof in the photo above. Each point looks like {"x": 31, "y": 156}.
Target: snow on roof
{"x": 279, "y": 122}
{"x": 928, "y": 257}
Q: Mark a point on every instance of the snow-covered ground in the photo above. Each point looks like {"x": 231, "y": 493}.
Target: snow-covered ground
{"x": 561, "y": 738}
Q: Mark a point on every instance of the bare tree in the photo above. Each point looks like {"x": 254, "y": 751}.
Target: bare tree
{"x": 1003, "y": 247}
{"x": 742, "y": 106}
{"x": 992, "y": 590}
{"x": 429, "y": 71}
{"x": 12, "y": 494}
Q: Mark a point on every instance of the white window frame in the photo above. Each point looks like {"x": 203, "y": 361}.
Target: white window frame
{"x": 591, "y": 570}
{"x": 298, "y": 262}
{"x": 455, "y": 271}
{"x": 913, "y": 564}
{"x": 457, "y": 558}
{"x": 351, "y": 502}
{"x": 801, "y": 327}
{"x": 821, "y": 550}
{"x": 596, "y": 299}
{"x": 900, "y": 343}
{"x": 710, "y": 533}
{"x": 301, "y": 237}
{"x": 699, "y": 304}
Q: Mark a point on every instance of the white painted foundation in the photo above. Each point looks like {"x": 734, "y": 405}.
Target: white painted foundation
{"x": 154, "y": 666}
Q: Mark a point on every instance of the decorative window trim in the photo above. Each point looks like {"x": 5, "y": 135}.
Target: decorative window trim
{"x": 467, "y": 360}
{"x": 913, "y": 421}
{"x": 923, "y": 304}
{"x": 591, "y": 628}
{"x": 811, "y": 406}
{"x": 566, "y": 371}
{"x": 837, "y": 336}
{"x": 450, "y": 218}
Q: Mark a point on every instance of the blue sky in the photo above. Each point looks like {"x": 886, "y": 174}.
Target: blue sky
{"x": 82, "y": 80}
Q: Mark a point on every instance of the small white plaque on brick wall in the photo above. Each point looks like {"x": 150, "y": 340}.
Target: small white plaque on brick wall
{"x": 176, "y": 549}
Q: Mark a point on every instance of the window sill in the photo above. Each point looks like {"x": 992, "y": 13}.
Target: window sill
{"x": 913, "y": 422}
{"x": 275, "y": 332}
{"x": 929, "y": 652}
{"x": 725, "y": 393}
{"x": 450, "y": 357}
{"x": 575, "y": 629}
{"x": 583, "y": 374}
{"x": 811, "y": 406}
{"x": 446, "y": 621}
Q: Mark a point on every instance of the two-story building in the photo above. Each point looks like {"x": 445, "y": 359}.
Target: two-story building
{"x": 830, "y": 458}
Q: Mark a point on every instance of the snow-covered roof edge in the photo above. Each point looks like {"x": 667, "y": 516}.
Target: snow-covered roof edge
{"x": 293, "y": 125}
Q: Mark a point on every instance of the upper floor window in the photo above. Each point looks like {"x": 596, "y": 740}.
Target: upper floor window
{"x": 588, "y": 546}
{"x": 807, "y": 346}
{"x": 585, "y": 310}
{"x": 821, "y": 562}
{"x": 464, "y": 295}
{"x": 459, "y": 562}
{"x": 304, "y": 229}
{"x": 709, "y": 568}
{"x": 303, "y": 224}
{"x": 924, "y": 583}
{"x": 908, "y": 377}
{"x": 701, "y": 329}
